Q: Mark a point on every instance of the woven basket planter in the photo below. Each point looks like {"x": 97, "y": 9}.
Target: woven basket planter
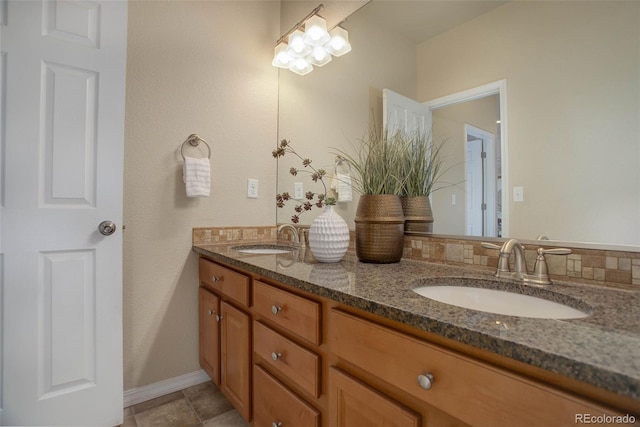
{"x": 379, "y": 228}
{"x": 418, "y": 215}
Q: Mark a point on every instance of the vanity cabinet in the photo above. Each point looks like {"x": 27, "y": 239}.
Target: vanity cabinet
{"x": 287, "y": 357}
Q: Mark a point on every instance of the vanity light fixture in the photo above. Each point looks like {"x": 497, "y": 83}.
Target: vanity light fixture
{"x": 309, "y": 43}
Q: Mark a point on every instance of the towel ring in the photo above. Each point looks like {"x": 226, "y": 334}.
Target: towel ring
{"x": 194, "y": 139}
{"x": 341, "y": 161}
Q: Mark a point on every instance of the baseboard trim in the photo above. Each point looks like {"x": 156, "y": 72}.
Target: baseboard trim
{"x": 151, "y": 391}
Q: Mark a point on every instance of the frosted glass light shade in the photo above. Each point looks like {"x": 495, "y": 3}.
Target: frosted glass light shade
{"x": 301, "y": 66}
{"x": 316, "y": 33}
{"x": 281, "y": 58}
{"x": 339, "y": 43}
{"x": 319, "y": 56}
{"x": 297, "y": 47}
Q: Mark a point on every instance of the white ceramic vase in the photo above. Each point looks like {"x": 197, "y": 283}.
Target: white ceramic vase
{"x": 329, "y": 236}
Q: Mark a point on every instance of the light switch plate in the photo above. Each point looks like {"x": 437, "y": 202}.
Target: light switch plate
{"x": 518, "y": 194}
{"x": 252, "y": 188}
{"x": 298, "y": 190}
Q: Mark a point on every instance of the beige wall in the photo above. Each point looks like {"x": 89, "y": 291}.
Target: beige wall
{"x": 193, "y": 67}
{"x": 566, "y": 127}
{"x": 333, "y": 105}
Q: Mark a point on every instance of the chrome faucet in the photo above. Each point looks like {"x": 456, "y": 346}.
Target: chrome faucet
{"x": 504, "y": 270}
{"x": 540, "y": 274}
{"x": 294, "y": 232}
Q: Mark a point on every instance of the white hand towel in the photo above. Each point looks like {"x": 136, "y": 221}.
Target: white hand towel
{"x": 343, "y": 187}
{"x": 196, "y": 174}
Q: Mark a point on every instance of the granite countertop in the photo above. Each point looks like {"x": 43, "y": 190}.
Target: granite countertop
{"x": 602, "y": 349}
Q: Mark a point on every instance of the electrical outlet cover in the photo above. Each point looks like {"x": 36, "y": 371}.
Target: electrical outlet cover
{"x": 252, "y": 188}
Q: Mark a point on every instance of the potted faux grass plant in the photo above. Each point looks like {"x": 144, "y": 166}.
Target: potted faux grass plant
{"x": 421, "y": 169}
{"x": 377, "y": 164}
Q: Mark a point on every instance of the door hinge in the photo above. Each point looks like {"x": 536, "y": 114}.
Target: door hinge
{"x": 484, "y": 207}
{"x": 483, "y": 155}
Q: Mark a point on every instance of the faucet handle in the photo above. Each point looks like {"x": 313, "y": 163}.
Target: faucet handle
{"x": 488, "y": 245}
{"x": 555, "y": 251}
{"x": 503, "y": 260}
{"x": 540, "y": 273}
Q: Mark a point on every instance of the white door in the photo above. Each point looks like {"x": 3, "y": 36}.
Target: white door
{"x": 481, "y": 182}
{"x": 474, "y": 188}
{"x": 402, "y": 113}
{"x": 62, "y": 279}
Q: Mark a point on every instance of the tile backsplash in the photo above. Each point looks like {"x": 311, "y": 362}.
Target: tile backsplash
{"x": 591, "y": 266}
{"x": 596, "y": 266}
{"x": 213, "y": 235}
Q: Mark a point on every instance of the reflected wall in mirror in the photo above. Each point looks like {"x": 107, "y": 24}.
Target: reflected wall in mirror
{"x": 572, "y": 72}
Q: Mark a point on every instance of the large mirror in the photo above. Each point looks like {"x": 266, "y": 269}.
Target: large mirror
{"x": 564, "y": 83}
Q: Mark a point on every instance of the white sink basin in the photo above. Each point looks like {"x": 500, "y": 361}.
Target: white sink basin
{"x": 263, "y": 250}
{"x": 500, "y": 302}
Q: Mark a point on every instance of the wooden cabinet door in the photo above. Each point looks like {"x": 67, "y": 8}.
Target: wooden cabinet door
{"x": 236, "y": 358}
{"x": 355, "y": 404}
{"x": 209, "y": 334}
{"x": 276, "y": 405}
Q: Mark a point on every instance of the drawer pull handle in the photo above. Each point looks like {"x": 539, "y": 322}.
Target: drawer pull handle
{"x": 275, "y": 309}
{"x": 275, "y": 356}
{"x": 211, "y": 312}
{"x": 425, "y": 381}
{"x": 216, "y": 278}
{"x": 276, "y": 424}
{"x": 218, "y": 317}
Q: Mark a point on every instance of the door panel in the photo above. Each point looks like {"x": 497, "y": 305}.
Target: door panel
{"x": 236, "y": 358}
{"x": 69, "y": 104}
{"x": 62, "y": 279}
{"x": 209, "y": 306}
{"x": 67, "y": 321}
{"x": 406, "y": 114}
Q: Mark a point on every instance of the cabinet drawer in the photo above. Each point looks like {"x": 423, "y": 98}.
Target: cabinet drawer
{"x": 275, "y": 404}
{"x": 224, "y": 280}
{"x": 353, "y": 403}
{"x": 298, "y": 364}
{"x": 467, "y": 389}
{"x": 298, "y": 315}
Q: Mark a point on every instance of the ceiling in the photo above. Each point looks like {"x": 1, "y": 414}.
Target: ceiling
{"x": 420, "y": 20}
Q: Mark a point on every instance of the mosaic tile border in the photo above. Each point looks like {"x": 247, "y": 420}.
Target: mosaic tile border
{"x": 590, "y": 266}
{"x": 212, "y": 235}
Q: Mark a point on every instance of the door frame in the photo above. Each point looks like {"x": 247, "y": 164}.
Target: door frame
{"x": 494, "y": 88}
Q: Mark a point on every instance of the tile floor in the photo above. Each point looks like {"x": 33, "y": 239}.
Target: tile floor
{"x": 202, "y": 405}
